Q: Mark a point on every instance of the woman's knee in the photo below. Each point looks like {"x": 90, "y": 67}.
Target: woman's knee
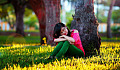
{"x": 66, "y": 42}
{"x": 60, "y": 42}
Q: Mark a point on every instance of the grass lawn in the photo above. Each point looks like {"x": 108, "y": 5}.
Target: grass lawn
{"x": 24, "y": 40}
{"x": 34, "y": 58}
{"x": 24, "y": 31}
{"x": 33, "y": 39}
{"x": 113, "y": 38}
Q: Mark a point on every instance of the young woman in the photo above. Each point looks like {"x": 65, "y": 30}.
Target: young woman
{"x": 69, "y": 42}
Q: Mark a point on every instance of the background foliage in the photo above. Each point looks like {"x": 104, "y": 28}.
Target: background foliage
{"x": 116, "y": 16}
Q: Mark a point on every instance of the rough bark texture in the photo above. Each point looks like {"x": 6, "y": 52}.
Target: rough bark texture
{"x": 52, "y": 17}
{"x": 19, "y": 11}
{"x": 39, "y": 9}
{"x": 109, "y": 34}
{"x": 86, "y": 23}
{"x": 48, "y": 13}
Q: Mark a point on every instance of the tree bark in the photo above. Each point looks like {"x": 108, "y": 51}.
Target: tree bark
{"x": 19, "y": 12}
{"x": 52, "y": 18}
{"x": 86, "y": 23}
{"x": 48, "y": 14}
{"x": 39, "y": 9}
{"x": 109, "y": 34}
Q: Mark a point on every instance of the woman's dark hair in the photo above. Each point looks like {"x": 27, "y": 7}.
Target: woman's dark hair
{"x": 57, "y": 30}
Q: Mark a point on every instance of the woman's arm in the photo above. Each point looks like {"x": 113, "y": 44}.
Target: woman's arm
{"x": 59, "y": 39}
{"x": 70, "y": 39}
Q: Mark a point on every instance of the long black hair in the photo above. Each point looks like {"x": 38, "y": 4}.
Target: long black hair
{"x": 57, "y": 30}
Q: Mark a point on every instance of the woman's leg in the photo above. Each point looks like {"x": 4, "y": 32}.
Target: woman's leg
{"x": 74, "y": 51}
{"x": 57, "y": 48}
{"x": 63, "y": 50}
{"x": 71, "y": 49}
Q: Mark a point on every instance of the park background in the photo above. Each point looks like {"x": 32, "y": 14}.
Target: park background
{"x": 31, "y": 40}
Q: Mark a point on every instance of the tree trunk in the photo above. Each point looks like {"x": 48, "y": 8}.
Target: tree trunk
{"x": 19, "y": 12}
{"x": 86, "y": 23}
{"x": 48, "y": 14}
{"x": 52, "y": 18}
{"x": 39, "y": 9}
{"x": 109, "y": 34}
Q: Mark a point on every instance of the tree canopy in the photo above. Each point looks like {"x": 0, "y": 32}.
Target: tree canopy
{"x": 116, "y": 16}
{"x": 8, "y": 14}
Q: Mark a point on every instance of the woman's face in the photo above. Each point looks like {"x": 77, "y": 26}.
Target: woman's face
{"x": 64, "y": 31}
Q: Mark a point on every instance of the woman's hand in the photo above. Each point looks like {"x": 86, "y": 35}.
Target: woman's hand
{"x": 60, "y": 39}
{"x": 63, "y": 36}
{"x": 70, "y": 39}
{"x": 71, "y": 42}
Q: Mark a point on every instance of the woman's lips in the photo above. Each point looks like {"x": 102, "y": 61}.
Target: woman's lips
{"x": 65, "y": 34}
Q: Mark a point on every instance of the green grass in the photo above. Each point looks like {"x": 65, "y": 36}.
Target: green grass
{"x": 33, "y": 39}
{"x": 113, "y": 38}
{"x": 106, "y": 32}
{"x": 7, "y": 31}
{"x": 24, "y": 40}
{"x": 27, "y": 56}
{"x": 24, "y": 31}
{"x": 31, "y": 30}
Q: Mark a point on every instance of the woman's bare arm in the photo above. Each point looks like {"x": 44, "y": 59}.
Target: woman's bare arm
{"x": 59, "y": 39}
{"x": 70, "y": 39}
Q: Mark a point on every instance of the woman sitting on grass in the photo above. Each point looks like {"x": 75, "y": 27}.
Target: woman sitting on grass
{"x": 69, "y": 42}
